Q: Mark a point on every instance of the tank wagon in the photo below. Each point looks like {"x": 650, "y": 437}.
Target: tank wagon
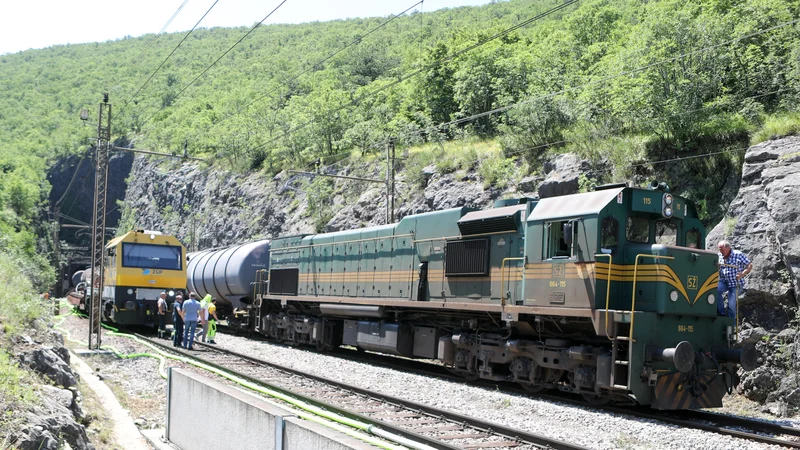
{"x": 608, "y": 294}
{"x": 139, "y": 266}
{"x": 228, "y": 275}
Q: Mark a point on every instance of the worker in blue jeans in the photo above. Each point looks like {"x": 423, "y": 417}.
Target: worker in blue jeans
{"x": 733, "y": 267}
{"x": 190, "y": 314}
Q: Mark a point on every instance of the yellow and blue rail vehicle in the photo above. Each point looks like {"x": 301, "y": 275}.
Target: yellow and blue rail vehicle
{"x": 607, "y": 294}
{"x": 140, "y": 265}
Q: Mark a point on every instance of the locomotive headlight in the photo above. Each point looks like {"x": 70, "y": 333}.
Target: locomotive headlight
{"x": 152, "y": 236}
{"x": 711, "y": 299}
{"x": 667, "y": 199}
{"x": 171, "y": 293}
{"x": 673, "y": 296}
{"x": 130, "y": 291}
{"x": 668, "y": 211}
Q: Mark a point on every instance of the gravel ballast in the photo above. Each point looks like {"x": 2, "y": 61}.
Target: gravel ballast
{"x": 582, "y": 426}
{"x": 579, "y": 425}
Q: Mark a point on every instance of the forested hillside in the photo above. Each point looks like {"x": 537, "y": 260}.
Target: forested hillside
{"x": 627, "y": 82}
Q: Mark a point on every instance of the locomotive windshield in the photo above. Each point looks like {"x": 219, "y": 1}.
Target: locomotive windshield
{"x": 666, "y": 233}
{"x": 149, "y": 256}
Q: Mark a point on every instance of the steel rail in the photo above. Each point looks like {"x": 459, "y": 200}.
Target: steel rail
{"x": 492, "y": 429}
{"x": 688, "y": 418}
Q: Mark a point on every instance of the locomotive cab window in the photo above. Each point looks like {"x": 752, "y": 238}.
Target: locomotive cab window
{"x": 150, "y": 256}
{"x": 609, "y": 235}
{"x": 693, "y": 238}
{"x": 666, "y": 233}
{"x": 560, "y": 239}
{"x": 637, "y": 229}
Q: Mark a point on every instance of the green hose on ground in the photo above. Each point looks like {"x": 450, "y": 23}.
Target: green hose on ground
{"x": 313, "y": 412}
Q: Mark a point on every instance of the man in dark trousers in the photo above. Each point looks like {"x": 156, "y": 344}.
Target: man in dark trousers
{"x": 162, "y": 315}
{"x": 177, "y": 320}
{"x": 733, "y": 267}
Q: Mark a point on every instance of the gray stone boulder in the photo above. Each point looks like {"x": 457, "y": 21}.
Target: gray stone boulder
{"x": 758, "y": 384}
{"x": 51, "y": 362}
{"x": 753, "y": 335}
{"x": 563, "y": 175}
{"x": 53, "y": 423}
{"x": 762, "y": 221}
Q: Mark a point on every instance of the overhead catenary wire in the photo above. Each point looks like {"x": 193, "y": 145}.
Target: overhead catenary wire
{"x": 253, "y": 28}
{"x": 160, "y": 32}
{"x": 186, "y": 36}
{"x": 317, "y": 64}
{"x": 427, "y": 67}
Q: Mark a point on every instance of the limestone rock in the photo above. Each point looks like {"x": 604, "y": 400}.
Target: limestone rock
{"x": 762, "y": 221}
{"x": 563, "y": 175}
{"x": 50, "y": 363}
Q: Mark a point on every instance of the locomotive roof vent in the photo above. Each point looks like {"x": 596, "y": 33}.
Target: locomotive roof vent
{"x": 603, "y": 187}
{"x": 492, "y": 220}
{"x": 500, "y": 203}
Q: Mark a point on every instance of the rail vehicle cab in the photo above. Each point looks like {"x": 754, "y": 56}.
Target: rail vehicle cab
{"x": 139, "y": 266}
{"x": 634, "y": 260}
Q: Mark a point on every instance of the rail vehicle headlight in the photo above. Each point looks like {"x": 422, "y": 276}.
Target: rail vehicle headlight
{"x": 711, "y": 299}
{"x": 152, "y": 236}
{"x": 668, "y": 211}
{"x": 130, "y": 305}
{"x": 673, "y": 296}
{"x": 667, "y": 199}
{"x": 171, "y": 293}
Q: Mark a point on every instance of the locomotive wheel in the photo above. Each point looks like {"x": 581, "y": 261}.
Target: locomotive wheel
{"x": 594, "y": 399}
{"x": 533, "y": 388}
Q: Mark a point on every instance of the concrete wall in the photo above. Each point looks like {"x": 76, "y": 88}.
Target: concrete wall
{"x": 205, "y": 414}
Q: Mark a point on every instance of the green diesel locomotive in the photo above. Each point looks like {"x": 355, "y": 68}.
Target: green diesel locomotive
{"x": 608, "y": 294}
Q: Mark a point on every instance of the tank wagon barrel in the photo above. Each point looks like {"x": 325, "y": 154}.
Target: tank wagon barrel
{"x": 227, "y": 274}
{"x": 608, "y": 294}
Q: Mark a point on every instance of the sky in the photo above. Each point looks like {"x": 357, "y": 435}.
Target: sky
{"x": 30, "y": 24}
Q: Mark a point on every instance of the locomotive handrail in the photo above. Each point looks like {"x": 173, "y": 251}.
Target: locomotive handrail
{"x": 608, "y": 289}
{"x": 340, "y": 242}
{"x": 502, "y": 278}
{"x": 635, "y": 274}
{"x": 444, "y": 238}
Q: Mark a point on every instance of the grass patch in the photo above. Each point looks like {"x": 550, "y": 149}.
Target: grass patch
{"x": 101, "y": 427}
{"x": 19, "y": 305}
{"x": 777, "y": 125}
{"x": 16, "y": 394}
{"x": 483, "y": 155}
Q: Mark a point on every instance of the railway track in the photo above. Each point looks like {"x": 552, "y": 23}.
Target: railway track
{"x": 430, "y": 426}
{"x": 750, "y": 429}
{"x": 740, "y": 427}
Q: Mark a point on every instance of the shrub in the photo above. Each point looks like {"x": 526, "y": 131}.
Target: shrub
{"x": 783, "y": 124}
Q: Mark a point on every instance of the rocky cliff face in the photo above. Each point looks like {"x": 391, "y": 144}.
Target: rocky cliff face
{"x": 78, "y": 202}
{"x": 762, "y": 222}
{"x": 208, "y": 207}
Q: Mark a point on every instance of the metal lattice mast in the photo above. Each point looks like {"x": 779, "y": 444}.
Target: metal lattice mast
{"x": 99, "y": 221}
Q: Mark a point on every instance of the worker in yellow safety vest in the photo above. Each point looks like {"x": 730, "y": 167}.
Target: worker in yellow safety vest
{"x": 212, "y": 320}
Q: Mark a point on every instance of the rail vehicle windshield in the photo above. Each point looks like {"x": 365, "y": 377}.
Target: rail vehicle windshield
{"x": 150, "y": 256}
{"x": 666, "y": 233}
